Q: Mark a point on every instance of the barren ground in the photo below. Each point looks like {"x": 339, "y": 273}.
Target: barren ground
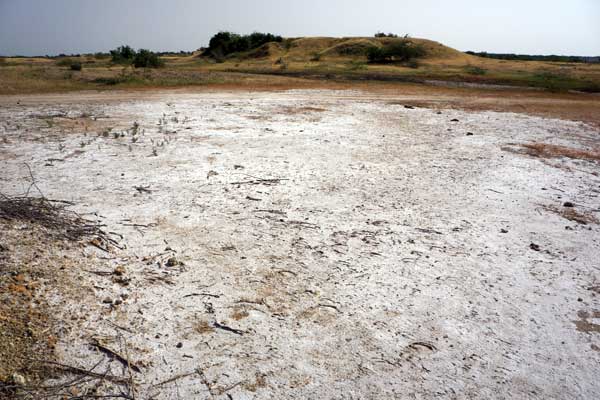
{"x": 313, "y": 244}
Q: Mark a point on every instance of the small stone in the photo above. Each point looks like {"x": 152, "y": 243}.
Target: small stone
{"x": 18, "y": 379}
{"x": 119, "y": 271}
{"x": 179, "y": 345}
{"x": 454, "y": 120}
{"x": 172, "y": 262}
{"x": 569, "y": 204}
{"x": 118, "y": 302}
{"x": 503, "y": 231}
{"x": 469, "y": 133}
{"x": 107, "y": 300}
{"x": 534, "y": 247}
{"x": 580, "y": 300}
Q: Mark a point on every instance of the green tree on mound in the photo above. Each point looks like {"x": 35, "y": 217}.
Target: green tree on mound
{"x": 225, "y": 43}
{"x": 397, "y": 51}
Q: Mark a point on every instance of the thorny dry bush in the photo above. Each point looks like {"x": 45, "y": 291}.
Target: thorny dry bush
{"x": 39, "y": 238}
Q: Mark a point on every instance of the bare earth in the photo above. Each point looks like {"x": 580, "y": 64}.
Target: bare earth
{"x": 318, "y": 244}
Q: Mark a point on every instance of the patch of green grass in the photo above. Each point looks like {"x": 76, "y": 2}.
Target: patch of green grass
{"x": 473, "y": 70}
{"x": 357, "y": 65}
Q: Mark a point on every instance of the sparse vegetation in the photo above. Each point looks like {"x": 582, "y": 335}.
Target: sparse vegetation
{"x": 528, "y": 57}
{"x": 64, "y": 62}
{"x": 392, "y": 59}
{"x": 571, "y": 214}
{"x": 473, "y": 70}
{"x": 76, "y": 66}
{"x": 357, "y": 65}
{"x": 544, "y": 150}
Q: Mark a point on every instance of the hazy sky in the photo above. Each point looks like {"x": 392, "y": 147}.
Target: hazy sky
{"x": 38, "y": 27}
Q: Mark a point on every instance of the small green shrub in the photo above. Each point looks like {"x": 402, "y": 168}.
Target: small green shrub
{"x": 473, "y": 70}
{"x": 147, "y": 59}
{"x": 398, "y": 51}
{"x": 76, "y": 66}
{"x": 414, "y": 64}
{"x": 357, "y": 65}
{"x": 64, "y": 62}
{"x": 288, "y": 44}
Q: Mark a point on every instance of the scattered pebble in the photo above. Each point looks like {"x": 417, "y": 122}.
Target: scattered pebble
{"x": 534, "y": 247}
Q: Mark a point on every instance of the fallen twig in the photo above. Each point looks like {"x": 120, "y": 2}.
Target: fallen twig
{"x": 228, "y": 329}
{"x": 123, "y": 360}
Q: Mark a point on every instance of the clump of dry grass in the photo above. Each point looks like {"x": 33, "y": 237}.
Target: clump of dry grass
{"x": 573, "y": 215}
{"x": 301, "y": 110}
{"x": 51, "y": 215}
{"x": 544, "y": 150}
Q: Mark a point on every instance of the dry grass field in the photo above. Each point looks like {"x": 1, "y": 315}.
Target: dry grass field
{"x": 337, "y": 59}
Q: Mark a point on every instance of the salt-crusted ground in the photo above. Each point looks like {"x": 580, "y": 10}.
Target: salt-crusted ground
{"x": 320, "y": 244}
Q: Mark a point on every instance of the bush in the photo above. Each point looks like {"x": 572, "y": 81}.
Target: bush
{"x": 64, "y": 62}
{"x": 122, "y": 55}
{"x": 383, "y": 35}
{"x": 225, "y": 43}
{"x": 397, "y": 51}
{"x": 76, "y": 66}
{"x": 147, "y": 59}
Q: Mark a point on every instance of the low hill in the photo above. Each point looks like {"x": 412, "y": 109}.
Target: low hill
{"x": 350, "y": 48}
{"x": 346, "y": 58}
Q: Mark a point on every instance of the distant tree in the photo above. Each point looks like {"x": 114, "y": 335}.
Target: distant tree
{"x": 122, "y": 55}
{"x": 147, "y": 59}
{"x": 384, "y": 35}
{"x": 225, "y": 43}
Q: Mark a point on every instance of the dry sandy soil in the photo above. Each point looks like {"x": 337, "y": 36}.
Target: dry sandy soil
{"x": 314, "y": 244}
